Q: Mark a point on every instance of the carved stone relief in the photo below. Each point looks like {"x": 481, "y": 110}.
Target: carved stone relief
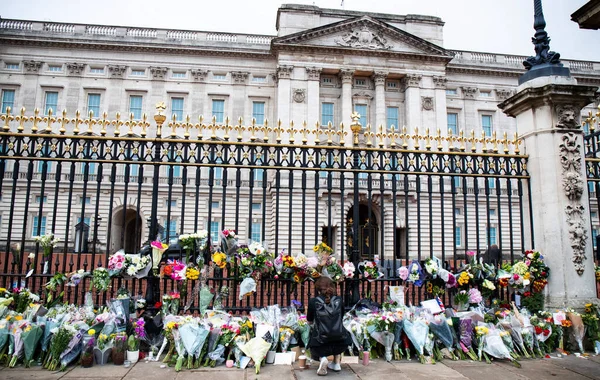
{"x": 314, "y": 73}
{"x": 412, "y": 80}
{"x": 346, "y": 75}
{"x": 239, "y": 77}
{"x": 284, "y": 72}
{"x": 364, "y": 38}
{"x": 199, "y": 74}
{"x": 116, "y": 71}
{"x": 427, "y": 103}
{"x": 158, "y": 72}
{"x": 379, "y": 78}
{"x": 75, "y": 68}
{"x": 566, "y": 115}
{"x": 32, "y": 66}
{"x": 299, "y": 94}
{"x": 578, "y": 234}
{"x": 469, "y": 92}
{"x": 503, "y": 94}
{"x": 440, "y": 82}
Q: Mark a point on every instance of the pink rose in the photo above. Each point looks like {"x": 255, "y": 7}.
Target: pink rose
{"x": 403, "y": 273}
{"x": 119, "y": 265}
{"x": 471, "y": 253}
{"x": 515, "y": 276}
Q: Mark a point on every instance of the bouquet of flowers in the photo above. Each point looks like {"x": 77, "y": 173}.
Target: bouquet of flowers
{"x": 577, "y": 328}
{"x": 349, "y": 269}
{"x": 256, "y": 348}
{"x": 415, "y": 273}
{"x": 323, "y": 252}
{"x": 188, "y": 241}
{"x": 481, "y": 332}
{"x": 59, "y": 344}
{"x": 475, "y": 296}
{"x": 158, "y": 249}
{"x": 417, "y": 332}
{"x": 47, "y": 242}
{"x": 219, "y": 259}
{"x": 461, "y": 299}
{"x": 137, "y": 266}
{"x": 31, "y": 336}
{"x": 229, "y": 241}
{"x": 193, "y": 337}
{"x": 441, "y": 330}
{"x": 100, "y": 279}
{"x": 334, "y": 271}
{"x": 116, "y": 262}
{"x": 370, "y": 270}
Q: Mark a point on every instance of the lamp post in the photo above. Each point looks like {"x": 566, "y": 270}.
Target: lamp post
{"x": 356, "y": 128}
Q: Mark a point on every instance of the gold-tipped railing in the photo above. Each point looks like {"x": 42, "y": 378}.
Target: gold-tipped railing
{"x": 319, "y": 135}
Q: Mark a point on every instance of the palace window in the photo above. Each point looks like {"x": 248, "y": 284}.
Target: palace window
{"x": 97, "y": 70}
{"x": 453, "y": 122}
{"x": 362, "y": 111}
{"x": 255, "y": 233}
{"x": 39, "y": 226}
{"x": 178, "y": 74}
{"x": 451, "y": 91}
{"x": 93, "y": 104}
{"x": 259, "y": 79}
{"x": 138, "y": 73}
{"x": 11, "y": 66}
{"x": 392, "y": 117}
{"x": 486, "y": 124}
{"x": 51, "y": 102}
{"x": 258, "y": 112}
{"x": 327, "y": 113}
{"x": 177, "y": 108}
{"x": 135, "y": 106}
{"x": 8, "y": 100}
{"x": 218, "y": 109}
{"x": 55, "y": 68}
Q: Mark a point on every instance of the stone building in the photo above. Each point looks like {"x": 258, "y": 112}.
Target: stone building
{"x": 322, "y": 65}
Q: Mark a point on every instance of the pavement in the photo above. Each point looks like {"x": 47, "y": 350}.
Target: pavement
{"x": 569, "y": 367}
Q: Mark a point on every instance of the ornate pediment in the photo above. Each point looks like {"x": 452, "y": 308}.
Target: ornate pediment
{"x": 362, "y": 34}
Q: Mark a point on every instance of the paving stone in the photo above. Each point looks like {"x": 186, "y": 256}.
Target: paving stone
{"x": 98, "y": 371}
{"x": 578, "y": 367}
{"x": 541, "y": 369}
{"x": 35, "y": 373}
{"x": 418, "y": 371}
{"x": 487, "y": 371}
{"x": 377, "y": 370}
{"x": 345, "y": 374}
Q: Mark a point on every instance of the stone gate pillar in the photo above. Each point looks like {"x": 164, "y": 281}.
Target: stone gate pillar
{"x": 547, "y": 110}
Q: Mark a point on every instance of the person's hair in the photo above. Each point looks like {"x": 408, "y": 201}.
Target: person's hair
{"x": 325, "y": 287}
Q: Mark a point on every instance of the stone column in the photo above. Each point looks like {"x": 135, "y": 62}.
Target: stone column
{"x": 284, "y": 74}
{"x": 412, "y": 83}
{"x": 346, "y": 78}
{"x": 312, "y": 98}
{"x": 547, "y": 110}
{"x": 380, "y": 116}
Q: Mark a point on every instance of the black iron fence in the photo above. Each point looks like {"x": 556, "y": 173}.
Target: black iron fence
{"x": 393, "y": 196}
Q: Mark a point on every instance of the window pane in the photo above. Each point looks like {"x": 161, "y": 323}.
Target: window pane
{"x": 51, "y": 102}
{"x": 173, "y": 229}
{"x": 8, "y": 100}
{"x": 93, "y": 104}
{"x": 392, "y": 117}
{"x": 42, "y": 230}
{"x": 362, "y": 111}
{"x": 214, "y": 232}
{"x": 486, "y": 124}
{"x": 177, "y": 107}
{"x": 218, "y": 109}
{"x": 453, "y": 123}
{"x": 457, "y": 237}
{"x": 255, "y": 233}
{"x": 327, "y": 113}
{"x": 492, "y": 235}
{"x": 135, "y": 106}
{"x": 258, "y": 112}
{"x": 256, "y": 206}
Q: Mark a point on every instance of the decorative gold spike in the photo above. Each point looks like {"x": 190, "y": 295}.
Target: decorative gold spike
{"x": 304, "y": 132}
{"x": 393, "y": 135}
{"x": 516, "y": 142}
{"x": 36, "y": 119}
{"x": 21, "y": 119}
{"x": 200, "y": 126}
{"x": 49, "y": 120}
{"x": 427, "y": 139}
{"x": 484, "y": 141}
{"x": 64, "y": 120}
{"x": 187, "y": 125}
{"x": 473, "y": 141}
{"x": 144, "y": 124}
{"x": 439, "y": 140}
{"x": 369, "y": 134}
{"x": 405, "y": 137}
{"x": 278, "y": 131}
{"x": 104, "y": 122}
{"x": 451, "y": 139}
{"x": 252, "y": 129}
{"x": 90, "y": 122}
{"x": 76, "y": 122}
{"x": 239, "y": 128}
{"x": 317, "y": 132}
{"x": 7, "y": 118}
{"x": 355, "y": 127}
{"x": 505, "y": 142}
{"x": 342, "y": 133}
{"x": 381, "y": 137}
{"x": 160, "y": 117}
{"x": 173, "y": 124}
{"x": 227, "y": 128}
{"x": 494, "y": 142}
{"x": 292, "y": 132}
{"x": 266, "y": 130}
{"x": 461, "y": 139}
{"x": 213, "y": 127}
{"x": 330, "y": 132}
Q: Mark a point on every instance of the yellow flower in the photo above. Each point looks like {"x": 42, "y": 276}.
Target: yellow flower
{"x": 192, "y": 273}
{"x": 92, "y": 332}
{"x": 588, "y": 305}
{"x": 2, "y": 290}
{"x": 316, "y": 248}
{"x": 18, "y": 317}
{"x": 297, "y": 278}
{"x": 526, "y": 276}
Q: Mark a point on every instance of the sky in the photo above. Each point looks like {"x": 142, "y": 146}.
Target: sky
{"x": 497, "y": 26}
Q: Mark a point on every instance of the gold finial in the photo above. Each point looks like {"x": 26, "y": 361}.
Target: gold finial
{"x": 355, "y": 127}
{"x": 252, "y": 129}
{"x": 239, "y": 128}
{"x": 173, "y": 125}
{"x": 438, "y": 140}
{"x": 516, "y": 141}
{"x": 213, "y": 127}
{"x": 381, "y": 136}
{"x": 451, "y": 139}
{"x": 369, "y": 134}
{"x": 36, "y": 119}
{"x": 461, "y": 139}
{"x": 227, "y": 128}
{"x": 266, "y": 130}
{"x": 21, "y": 119}
{"x": 76, "y": 122}
{"x": 90, "y": 122}
{"x": 417, "y": 137}
{"x": 484, "y": 141}
{"x": 393, "y": 135}
{"x": 304, "y": 132}
{"x": 278, "y": 131}
{"x": 317, "y": 132}
{"x": 505, "y": 142}
{"x": 342, "y": 133}
{"x": 330, "y": 132}
{"x": 495, "y": 142}
{"x": 104, "y": 122}
{"x": 292, "y": 131}
{"x": 144, "y": 124}
{"x": 64, "y": 120}
{"x": 200, "y": 126}
{"x": 7, "y": 119}
{"x": 49, "y": 120}
{"x": 160, "y": 117}
{"x": 405, "y": 137}
{"x": 427, "y": 139}
{"x": 473, "y": 141}
{"x": 187, "y": 125}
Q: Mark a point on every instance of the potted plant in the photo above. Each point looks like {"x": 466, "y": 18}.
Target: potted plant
{"x": 87, "y": 355}
{"x": 461, "y": 300}
{"x": 103, "y": 349}
{"x": 133, "y": 342}
{"x": 119, "y": 348}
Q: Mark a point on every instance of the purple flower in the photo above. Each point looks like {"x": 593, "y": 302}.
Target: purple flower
{"x": 403, "y": 273}
{"x": 296, "y": 304}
